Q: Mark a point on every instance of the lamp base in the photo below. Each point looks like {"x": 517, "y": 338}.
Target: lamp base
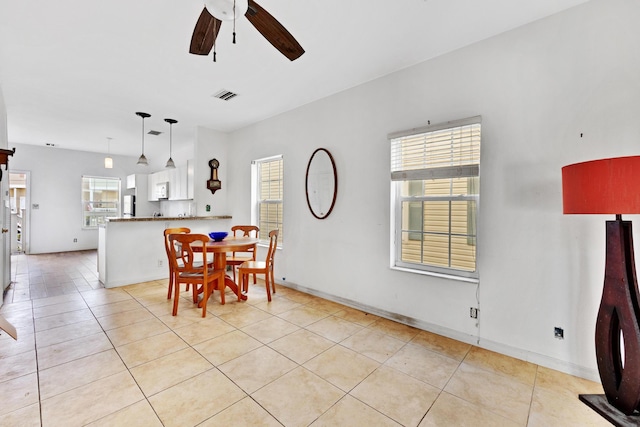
{"x": 599, "y": 403}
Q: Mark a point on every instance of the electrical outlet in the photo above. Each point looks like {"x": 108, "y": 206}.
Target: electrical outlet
{"x": 473, "y": 313}
{"x": 75, "y": 240}
{"x": 558, "y": 333}
{"x": 159, "y": 263}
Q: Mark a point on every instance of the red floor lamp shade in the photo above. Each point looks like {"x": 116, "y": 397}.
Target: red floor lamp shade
{"x": 612, "y": 186}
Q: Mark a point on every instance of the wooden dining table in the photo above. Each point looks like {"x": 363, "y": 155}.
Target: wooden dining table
{"x": 220, "y": 249}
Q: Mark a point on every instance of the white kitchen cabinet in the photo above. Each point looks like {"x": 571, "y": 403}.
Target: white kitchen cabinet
{"x": 174, "y": 184}
{"x": 131, "y": 181}
{"x": 180, "y": 183}
{"x": 190, "y": 179}
{"x": 155, "y": 179}
{"x": 136, "y": 181}
{"x": 152, "y": 180}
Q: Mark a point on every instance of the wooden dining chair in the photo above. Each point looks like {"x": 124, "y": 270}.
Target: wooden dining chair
{"x": 167, "y": 232}
{"x": 261, "y": 267}
{"x": 193, "y": 271}
{"x": 236, "y": 258}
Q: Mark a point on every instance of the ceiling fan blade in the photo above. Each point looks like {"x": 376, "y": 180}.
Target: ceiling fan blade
{"x": 273, "y": 31}
{"x": 204, "y": 34}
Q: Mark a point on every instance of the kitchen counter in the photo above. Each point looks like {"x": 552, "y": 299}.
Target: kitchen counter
{"x": 165, "y": 218}
{"x": 131, "y": 250}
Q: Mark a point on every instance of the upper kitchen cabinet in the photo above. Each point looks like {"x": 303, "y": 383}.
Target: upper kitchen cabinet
{"x": 137, "y": 181}
{"x": 153, "y": 180}
{"x": 190, "y": 178}
{"x": 178, "y": 183}
{"x": 131, "y": 181}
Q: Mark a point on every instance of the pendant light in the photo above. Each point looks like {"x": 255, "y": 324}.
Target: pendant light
{"x": 108, "y": 161}
{"x": 143, "y": 160}
{"x": 170, "y": 164}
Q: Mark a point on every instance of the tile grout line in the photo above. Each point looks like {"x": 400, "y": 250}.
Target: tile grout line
{"x": 35, "y": 348}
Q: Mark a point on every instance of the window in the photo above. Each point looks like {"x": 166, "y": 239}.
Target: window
{"x": 100, "y": 199}
{"x": 435, "y": 193}
{"x": 267, "y": 196}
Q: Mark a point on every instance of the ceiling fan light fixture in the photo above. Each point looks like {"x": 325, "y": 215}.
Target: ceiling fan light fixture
{"x": 224, "y": 9}
{"x": 142, "y": 160}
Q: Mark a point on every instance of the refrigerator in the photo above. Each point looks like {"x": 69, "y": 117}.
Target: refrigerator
{"x": 129, "y": 206}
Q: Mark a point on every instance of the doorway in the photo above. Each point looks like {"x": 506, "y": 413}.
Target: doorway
{"x": 19, "y": 203}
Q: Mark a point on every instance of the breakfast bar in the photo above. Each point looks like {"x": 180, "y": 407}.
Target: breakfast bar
{"x": 131, "y": 250}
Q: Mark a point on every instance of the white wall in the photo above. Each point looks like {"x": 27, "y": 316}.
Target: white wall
{"x": 538, "y": 88}
{"x": 56, "y": 187}
{"x": 210, "y": 145}
{"x": 3, "y": 121}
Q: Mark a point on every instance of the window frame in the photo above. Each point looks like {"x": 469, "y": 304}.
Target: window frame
{"x": 88, "y": 208}
{"x": 422, "y": 174}
{"x": 256, "y": 202}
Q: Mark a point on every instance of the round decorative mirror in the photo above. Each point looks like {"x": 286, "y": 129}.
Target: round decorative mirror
{"x": 321, "y": 183}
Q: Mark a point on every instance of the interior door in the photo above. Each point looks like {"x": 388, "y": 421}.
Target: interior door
{"x": 5, "y": 242}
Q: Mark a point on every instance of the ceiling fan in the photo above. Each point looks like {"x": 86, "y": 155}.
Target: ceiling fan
{"x": 215, "y": 11}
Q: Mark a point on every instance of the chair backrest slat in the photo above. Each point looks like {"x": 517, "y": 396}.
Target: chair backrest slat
{"x": 167, "y": 232}
{"x": 246, "y": 231}
{"x": 273, "y": 244}
{"x": 180, "y": 245}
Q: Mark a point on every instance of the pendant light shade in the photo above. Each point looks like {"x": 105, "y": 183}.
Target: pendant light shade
{"x": 170, "y": 163}
{"x": 108, "y": 161}
{"x": 143, "y": 160}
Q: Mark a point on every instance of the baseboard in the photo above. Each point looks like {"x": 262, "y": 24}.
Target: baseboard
{"x": 542, "y": 360}
{"x": 127, "y": 282}
{"x": 409, "y": 321}
{"x": 518, "y": 353}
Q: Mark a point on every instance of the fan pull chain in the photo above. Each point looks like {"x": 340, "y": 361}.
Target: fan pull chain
{"x": 234, "y": 21}
{"x": 214, "y": 40}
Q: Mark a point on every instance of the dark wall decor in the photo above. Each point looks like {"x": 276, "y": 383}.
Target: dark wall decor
{"x": 214, "y": 184}
{"x": 321, "y": 183}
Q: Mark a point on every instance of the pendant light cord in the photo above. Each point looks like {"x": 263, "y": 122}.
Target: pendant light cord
{"x": 215, "y": 24}
{"x": 234, "y": 21}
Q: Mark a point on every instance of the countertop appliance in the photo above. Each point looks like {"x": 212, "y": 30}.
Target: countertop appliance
{"x": 129, "y": 206}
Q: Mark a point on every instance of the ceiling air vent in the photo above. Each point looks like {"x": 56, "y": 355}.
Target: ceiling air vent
{"x": 154, "y": 132}
{"x": 225, "y": 95}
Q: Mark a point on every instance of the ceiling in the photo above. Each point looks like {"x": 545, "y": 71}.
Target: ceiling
{"x": 74, "y": 72}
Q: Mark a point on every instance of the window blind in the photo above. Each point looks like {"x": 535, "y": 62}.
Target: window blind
{"x": 447, "y": 150}
{"x": 270, "y": 196}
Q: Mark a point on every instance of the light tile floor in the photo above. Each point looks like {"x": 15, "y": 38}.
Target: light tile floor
{"x": 114, "y": 357}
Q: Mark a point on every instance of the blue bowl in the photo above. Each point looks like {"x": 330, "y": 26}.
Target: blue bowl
{"x": 217, "y": 236}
